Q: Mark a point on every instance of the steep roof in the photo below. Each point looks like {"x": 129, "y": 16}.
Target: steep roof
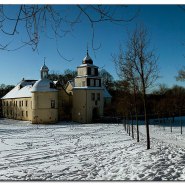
{"x": 43, "y": 85}
{"x": 44, "y": 68}
{"x": 21, "y": 90}
{"x": 87, "y": 59}
{"x": 25, "y": 88}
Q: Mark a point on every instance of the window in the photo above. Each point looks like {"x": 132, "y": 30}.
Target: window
{"x": 22, "y": 113}
{"x": 88, "y": 71}
{"x": 45, "y": 74}
{"x": 92, "y": 96}
{"x": 52, "y": 103}
{"x": 26, "y": 103}
{"x": 96, "y": 102}
{"x": 91, "y": 82}
{"x": 19, "y": 103}
{"x": 7, "y": 103}
{"x": 96, "y": 71}
{"x": 26, "y": 113}
{"x": 92, "y": 71}
{"x": 98, "y": 96}
{"x": 16, "y": 103}
{"x": 97, "y": 83}
{"x": 22, "y": 103}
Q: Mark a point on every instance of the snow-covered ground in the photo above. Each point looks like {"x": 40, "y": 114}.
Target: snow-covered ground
{"x": 88, "y": 152}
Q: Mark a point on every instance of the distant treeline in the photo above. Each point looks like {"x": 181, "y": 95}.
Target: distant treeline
{"x": 164, "y": 102}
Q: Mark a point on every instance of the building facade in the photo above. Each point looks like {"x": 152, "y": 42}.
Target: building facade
{"x": 45, "y": 101}
{"x": 87, "y": 92}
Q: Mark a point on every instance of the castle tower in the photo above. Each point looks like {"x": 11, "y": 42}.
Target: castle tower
{"x": 44, "y": 99}
{"x": 87, "y": 92}
{"x": 44, "y": 71}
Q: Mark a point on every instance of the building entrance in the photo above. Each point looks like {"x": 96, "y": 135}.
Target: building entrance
{"x": 95, "y": 114}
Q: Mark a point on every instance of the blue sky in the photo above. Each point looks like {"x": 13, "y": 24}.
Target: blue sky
{"x": 166, "y": 24}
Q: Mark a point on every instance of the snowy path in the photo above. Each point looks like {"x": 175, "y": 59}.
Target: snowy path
{"x": 87, "y": 152}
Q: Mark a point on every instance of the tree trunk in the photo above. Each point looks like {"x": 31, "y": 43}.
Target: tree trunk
{"x": 137, "y": 127}
{"x": 181, "y": 120}
{"x": 136, "y": 116}
{"x": 146, "y": 120}
{"x": 128, "y": 126}
{"x": 125, "y": 123}
{"x": 132, "y": 127}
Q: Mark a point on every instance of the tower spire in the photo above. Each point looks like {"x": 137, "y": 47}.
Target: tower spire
{"x": 87, "y": 50}
{"x": 87, "y": 59}
{"x": 44, "y": 60}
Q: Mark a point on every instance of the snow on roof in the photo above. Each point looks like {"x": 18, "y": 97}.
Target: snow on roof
{"x": 25, "y": 88}
{"x": 96, "y": 77}
{"x": 106, "y": 94}
{"x": 21, "y": 90}
{"x": 44, "y": 68}
{"x": 43, "y": 85}
{"x": 87, "y": 59}
{"x": 88, "y": 65}
{"x": 87, "y": 87}
{"x": 55, "y": 82}
{"x": 17, "y": 92}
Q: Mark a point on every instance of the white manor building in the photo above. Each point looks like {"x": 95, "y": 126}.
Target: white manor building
{"x": 45, "y": 101}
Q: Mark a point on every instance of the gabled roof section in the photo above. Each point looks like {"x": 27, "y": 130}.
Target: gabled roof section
{"x": 21, "y": 90}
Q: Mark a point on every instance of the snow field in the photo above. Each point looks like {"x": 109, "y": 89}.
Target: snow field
{"x": 69, "y": 152}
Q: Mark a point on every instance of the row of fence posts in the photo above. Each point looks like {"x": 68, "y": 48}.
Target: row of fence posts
{"x": 127, "y": 127}
{"x": 171, "y": 121}
{"x": 161, "y": 122}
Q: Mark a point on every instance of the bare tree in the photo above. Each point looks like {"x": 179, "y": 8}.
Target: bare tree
{"x": 125, "y": 71}
{"x": 63, "y": 77}
{"x": 139, "y": 67}
{"x": 181, "y": 75}
{"x": 53, "y": 21}
{"x": 107, "y": 78}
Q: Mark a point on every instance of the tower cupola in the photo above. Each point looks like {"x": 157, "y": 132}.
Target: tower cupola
{"x": 44, "y": 71}
{"x": 87, "y": 59}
